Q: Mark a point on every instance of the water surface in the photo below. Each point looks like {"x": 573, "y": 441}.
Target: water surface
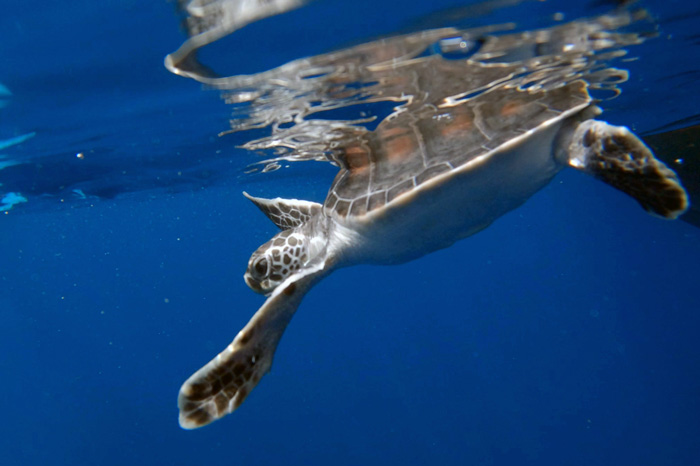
{"x": 563, "y": 334}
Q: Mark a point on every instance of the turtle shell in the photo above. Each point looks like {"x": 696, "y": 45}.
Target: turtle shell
{"x": 411, "y": 150}
{"x": 456, "y": 111}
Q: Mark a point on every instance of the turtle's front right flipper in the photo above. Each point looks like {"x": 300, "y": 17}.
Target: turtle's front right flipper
{"x": 615, "y": 155}
{"x": 220, "y": 387}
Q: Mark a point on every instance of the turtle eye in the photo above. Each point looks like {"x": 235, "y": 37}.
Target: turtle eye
{"x": 261, "y": 267}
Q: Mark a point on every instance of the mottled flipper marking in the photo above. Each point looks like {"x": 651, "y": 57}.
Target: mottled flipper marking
{"x": 614, "y": 155}
{"x": 285, "y": 213}
{"x": 220, "y": 387}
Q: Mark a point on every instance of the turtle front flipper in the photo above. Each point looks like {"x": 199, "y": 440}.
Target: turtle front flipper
{"x": 220, "y": 387}
{"x": 616, "y": 156}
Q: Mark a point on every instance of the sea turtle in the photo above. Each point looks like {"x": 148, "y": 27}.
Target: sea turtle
{"x": 484, "y": 122}
{"x": 416, "y": 184}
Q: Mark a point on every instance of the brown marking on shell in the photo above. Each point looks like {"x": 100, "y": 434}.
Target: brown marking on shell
{"x": 357, "y": 158}
{"x": 401, "y": 188}
{"x": 405, "y": 152}
{"x": 342, "y": 208}
{"x": 376, "y": 200}
{"x": 399, "y": 144}
{"x": 512, "y": 108}
{"x": 359, "y": 207}
{"x": 502, "y": 117}
{"x": 389, "y": 132}
{"x": 332, "y": 199}
{"x": 459, "y": 123}
{"x": 567, "y": 97}
{"x": 432, "y": 172}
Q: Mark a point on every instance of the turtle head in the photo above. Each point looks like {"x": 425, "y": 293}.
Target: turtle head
{"x": 273, "y": 262}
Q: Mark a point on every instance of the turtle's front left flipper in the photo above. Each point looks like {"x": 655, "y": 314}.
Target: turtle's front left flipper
{"x": 220, "y": 387}
{"x": 615, "y": 155}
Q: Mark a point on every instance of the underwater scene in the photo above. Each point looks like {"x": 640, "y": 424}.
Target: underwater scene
{"x": 466, "y": 232}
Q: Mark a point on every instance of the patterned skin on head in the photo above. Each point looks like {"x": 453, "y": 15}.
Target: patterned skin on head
{"x": 273, "y": 262}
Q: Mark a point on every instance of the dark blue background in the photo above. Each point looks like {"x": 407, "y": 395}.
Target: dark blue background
{"x": 565, "y": 334}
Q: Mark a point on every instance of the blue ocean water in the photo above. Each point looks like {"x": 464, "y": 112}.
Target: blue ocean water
{"x": 564, "y": 334}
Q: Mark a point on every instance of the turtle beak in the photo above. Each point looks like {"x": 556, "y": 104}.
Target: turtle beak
{"x": 253, "y": 284}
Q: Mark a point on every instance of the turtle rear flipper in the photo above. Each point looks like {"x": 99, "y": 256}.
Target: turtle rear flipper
{"x": 220, "y": 387}
{"x": 616, "y": 156}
